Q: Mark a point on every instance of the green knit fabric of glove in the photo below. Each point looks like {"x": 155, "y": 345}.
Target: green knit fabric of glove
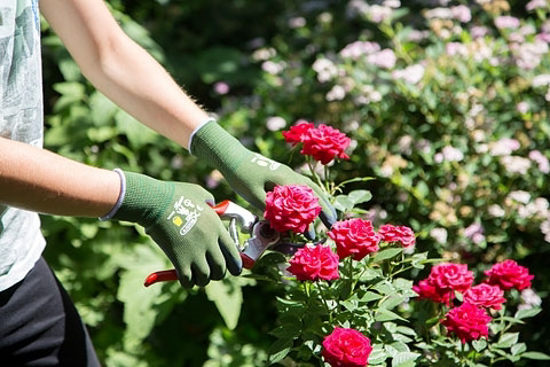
{"x": 251, "y": 174}
{"x": 179, "y": 219}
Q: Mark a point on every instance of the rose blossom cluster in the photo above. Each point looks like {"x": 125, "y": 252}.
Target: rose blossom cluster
{"x": 470, "y": 320}
{"x": 323, "y": 143}
{"x": 346, "y": 347}
{"x": 291, "y": 208}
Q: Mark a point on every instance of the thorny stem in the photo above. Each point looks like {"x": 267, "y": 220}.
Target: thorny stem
{"x": 315, "y": 175}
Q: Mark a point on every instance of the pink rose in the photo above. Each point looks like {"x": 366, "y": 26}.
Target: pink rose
{"x": 291, "y": 208}
{"x": 444, "y": 279}
{"x": 451, "y": 277}
{"x": 346, "y": 347}
{"x": 485, "y": 295}
{"x": 468, "y": 322}
{"x": 402, "y": 234}
{"x": 325, "y": 143}
{"x": 297, "y": 132}
{"x": 354, "y": 237}
{"x": 314, "y": 263}
{"x": 508, "y": 274}
{"x": 426, "y": 290}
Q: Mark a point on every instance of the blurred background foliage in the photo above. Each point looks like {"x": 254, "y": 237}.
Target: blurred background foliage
{"x": 259, "y": 66}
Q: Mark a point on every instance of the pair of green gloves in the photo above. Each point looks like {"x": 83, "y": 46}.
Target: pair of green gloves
{"x": 178, "y": 216}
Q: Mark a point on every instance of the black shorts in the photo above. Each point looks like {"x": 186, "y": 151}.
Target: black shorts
{"x": 39, "y": 325}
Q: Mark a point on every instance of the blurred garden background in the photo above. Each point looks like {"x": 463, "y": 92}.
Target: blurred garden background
{"x": 447, "y": 104}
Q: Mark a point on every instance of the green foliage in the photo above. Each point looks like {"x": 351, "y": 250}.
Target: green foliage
{"x": 400, "y": 130}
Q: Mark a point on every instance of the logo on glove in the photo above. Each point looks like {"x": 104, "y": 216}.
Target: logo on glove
{"x": 265, "y": 162}
{"x": 185, "y": 214}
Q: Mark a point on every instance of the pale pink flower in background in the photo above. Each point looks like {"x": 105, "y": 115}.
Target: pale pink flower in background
{"x": 417, "y": 36}
{"x": 541, "y": 80}
{"x": 337, "y": 93}
{"x": 456, "y": 48}
{"x": 506, "y": 22}
{"x": 545, "y": 229}
{"x": 523, "y": 107}
{"x": 438, "y": 13}
{"x": 496, "y": 211}
{"x": 461, "y": 13}
{"x": 449, "y": 154}
{"x": 297, "y": 22}
{"x": 213, "y": 179}
{"x": 475, "y": 232}
{"x": 325, "y": 69}
{"x": 439, "y": 234}
{"x": 530, "y": 55}
{"x": 541, "y": 160}
{"x": 536, "y": 4}
{"x": 529, "y": 299}
{"x": 275, "y": 123}
{"x": 378, "y": 14}
{"x": 504, "y": 147}
{"x": 538, "y": 208}
{"x": 479, "y": 31}
{"x": 357, "y": 49}
{"x": 520, "y": 196}
{"x": 384, "y": 59}
{"x": 221, "y": 88}
{"x": 392, "y": 3}
{"x": 273, "y": 68}
{"x": 515, "y": 164}
{"x": 263, "y": 54}
{"x": 411, "y": 74}
{"x": 543, "y": 37}
{"x": 527, "y": 30}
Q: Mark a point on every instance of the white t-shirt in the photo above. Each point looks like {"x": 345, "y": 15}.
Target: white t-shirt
{"x": 21, "y": 118}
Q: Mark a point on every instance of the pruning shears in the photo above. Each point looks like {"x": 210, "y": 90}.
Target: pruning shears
{"x": 262, "y": 237}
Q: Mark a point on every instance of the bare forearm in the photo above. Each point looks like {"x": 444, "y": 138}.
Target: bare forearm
{"x": 41, "y": 181}
{"x": 121, "y": 69}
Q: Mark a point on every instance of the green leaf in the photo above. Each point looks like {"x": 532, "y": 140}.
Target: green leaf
{"x": 378, "y": 355}
{"x": 343, "y": 203}
{"x": 228, "y": 298}
{"x": 359, "y": 196}
{"x": 403, "y": 359}
{"x": 370, "y": 296}
{"x": 479, "y": 344}
{"x": 387, "y": 254}
{"x": 391, "y": 302}
{"x": 536, "y": 355}
{"x": 279, "y": 350}
{"x": 385, "y": 315}
{"x": 507, "y": 340}
{"x": 528, "y": 312}
{"x": 518, "y": 349}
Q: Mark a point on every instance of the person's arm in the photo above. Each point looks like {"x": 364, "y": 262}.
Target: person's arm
{"x": 121, "y": 69}
{"x": 38, "y": 180}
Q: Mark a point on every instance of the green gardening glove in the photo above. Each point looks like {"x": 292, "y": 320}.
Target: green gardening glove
{"x": 179, "y": 219}
{"x": 250, "y": 174}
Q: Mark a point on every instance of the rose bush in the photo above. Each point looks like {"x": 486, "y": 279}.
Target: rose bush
{"x": 350, "y": 298}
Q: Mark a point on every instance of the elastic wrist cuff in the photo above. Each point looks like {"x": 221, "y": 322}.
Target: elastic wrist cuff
{"x": 121, "y": 195}
{"x": 199, "y": 126}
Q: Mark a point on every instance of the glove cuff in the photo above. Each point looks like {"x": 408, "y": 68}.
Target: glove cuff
{"x": 217, "y": 147}
{"x": 121, "y": 195}
{"x": 144, "y": 200}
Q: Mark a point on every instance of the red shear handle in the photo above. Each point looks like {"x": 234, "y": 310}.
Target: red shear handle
{"x": 221, "y": 208}
{"x": 171, "y": 275}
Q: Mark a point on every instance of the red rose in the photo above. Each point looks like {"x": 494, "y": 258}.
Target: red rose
{"x": 425, "y": 290}
{"x": 354, "y": 237}
{"x": 314, "y": 263}
{"x": 468, "y": 322}
{"x": 297, "y": 132}
{"x": 451, "y": 277}
{"x": 325, "y": 143}
{"x": 346, "y": 348}
{"x": 444, "y": 279}
{"x": 402, "y": 234}
{"x": 291, "y": 208}
{"x": 485, "y": 295}
{"x": 508, "y": 274}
